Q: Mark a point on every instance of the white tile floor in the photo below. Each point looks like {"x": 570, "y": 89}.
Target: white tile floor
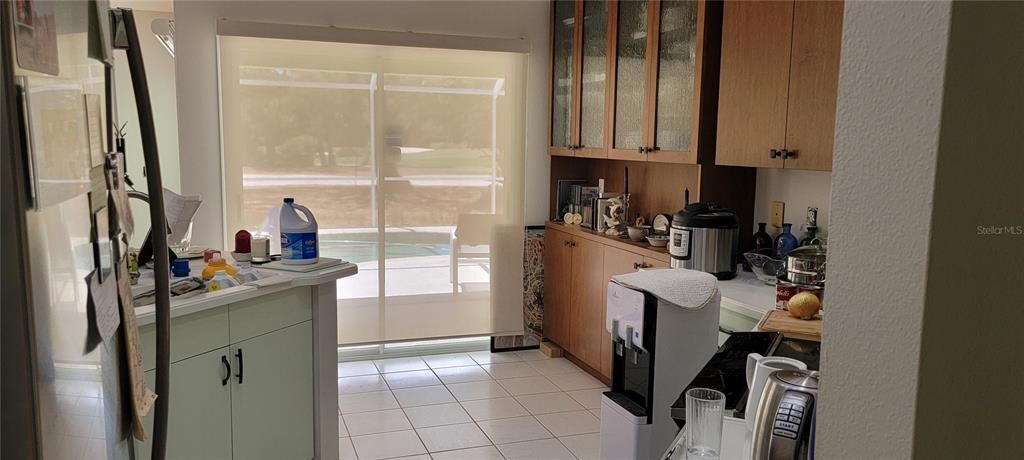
{"x": 468, "y": 406}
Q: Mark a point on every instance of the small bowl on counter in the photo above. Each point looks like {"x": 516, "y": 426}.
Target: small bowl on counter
{"x": 766, "y": 268}
{"x": 637, "y": 233}
{"x": 658, "y": 241}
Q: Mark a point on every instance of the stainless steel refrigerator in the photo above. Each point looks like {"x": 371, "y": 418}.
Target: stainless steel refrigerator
{"x": 63, "y": 393}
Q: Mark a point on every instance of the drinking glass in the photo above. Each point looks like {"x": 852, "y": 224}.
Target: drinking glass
{"x": 705, "y": 409}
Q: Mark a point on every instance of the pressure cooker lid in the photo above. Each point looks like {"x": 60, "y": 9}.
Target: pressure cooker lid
{"x": 704, "y": 215}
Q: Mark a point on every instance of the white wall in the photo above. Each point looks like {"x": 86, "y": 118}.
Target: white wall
{"x": 160, "y": 77}
{"x": 975, "y": 295}
{"x": 920, "y": 345}
{"x": 798, "y": 189}
{"x": 196, "y": 30}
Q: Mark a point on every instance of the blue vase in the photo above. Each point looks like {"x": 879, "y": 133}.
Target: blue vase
{"x": 785, "y": 241}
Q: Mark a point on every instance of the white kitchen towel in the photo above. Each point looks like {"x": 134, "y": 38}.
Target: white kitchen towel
{"x": 687, "y": 289}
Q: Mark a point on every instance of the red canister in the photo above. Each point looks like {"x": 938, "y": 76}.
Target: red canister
{"x": 784, "y": 290}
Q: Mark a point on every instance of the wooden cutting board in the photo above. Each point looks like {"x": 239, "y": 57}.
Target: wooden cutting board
{"x": 780, "y": 321}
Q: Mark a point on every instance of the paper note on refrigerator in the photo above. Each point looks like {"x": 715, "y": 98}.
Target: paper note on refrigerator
{"x": 104, "y": 299}
{"x": 141, "y": 397}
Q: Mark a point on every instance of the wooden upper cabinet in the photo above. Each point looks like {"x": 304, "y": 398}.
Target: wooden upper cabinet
{"x": 814, "y": 84}
{"x": 563, "y": 77}
{"x": 629, "y": 120}
{"x": 656, "y": 80}
{"x": 679, "y": 48}
{"x": 557, "y": 290}
{"x": 580, "y": 87}
{"x": 779, "y": 74}
{"x": 595, "y": 87}
{"x": 754, "y": 82}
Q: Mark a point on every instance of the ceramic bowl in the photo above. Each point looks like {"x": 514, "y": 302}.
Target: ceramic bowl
{"x": 638, "y": 232}
{"x": 658, "y": 241}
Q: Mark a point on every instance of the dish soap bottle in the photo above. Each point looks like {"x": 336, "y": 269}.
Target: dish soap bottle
{"x": 216, "y": 264}
{"x": 299, "y": 243}
{"x": 221, "y": 280}
{"x": 785, "y": 241}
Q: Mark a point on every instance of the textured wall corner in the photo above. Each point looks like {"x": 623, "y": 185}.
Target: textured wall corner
{"x": 887, "y": 133}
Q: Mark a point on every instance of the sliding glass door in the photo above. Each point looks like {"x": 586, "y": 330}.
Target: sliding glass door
{"x": 412, "y": 161}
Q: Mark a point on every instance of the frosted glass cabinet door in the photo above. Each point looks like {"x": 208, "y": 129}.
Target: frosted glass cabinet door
{"x": 677, "y": 57}
{"x": 563, "y": 41}
{"x": 199, "y": 422}
{"x": 272, "y": 407}
{"x": 593, "y": 80}
{"x": 630, "y": 77}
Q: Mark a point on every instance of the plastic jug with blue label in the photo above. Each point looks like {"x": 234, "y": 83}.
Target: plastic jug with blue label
{"x": 299, "y": 244}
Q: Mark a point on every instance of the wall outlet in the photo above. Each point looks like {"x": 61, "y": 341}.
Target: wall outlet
{"x": 778, "y": 213}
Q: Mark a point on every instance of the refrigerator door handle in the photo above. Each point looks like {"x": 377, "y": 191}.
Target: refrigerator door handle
{"x": 126, "y": 36}
{"x": 24, "y": 109}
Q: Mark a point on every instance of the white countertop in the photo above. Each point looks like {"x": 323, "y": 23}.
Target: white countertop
{"x": 280, "y": 281}
{"x": 735, "y": 442}
{"x": 745, "y": 294}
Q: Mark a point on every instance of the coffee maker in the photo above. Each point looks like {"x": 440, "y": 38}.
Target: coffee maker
{"x": 784, "y": 423}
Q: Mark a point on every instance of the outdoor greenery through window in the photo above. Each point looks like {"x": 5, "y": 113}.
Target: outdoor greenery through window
{"x": 411, "y": 160}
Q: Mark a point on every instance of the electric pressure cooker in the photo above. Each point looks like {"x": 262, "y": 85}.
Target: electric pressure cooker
{"x": 705, "y": 237}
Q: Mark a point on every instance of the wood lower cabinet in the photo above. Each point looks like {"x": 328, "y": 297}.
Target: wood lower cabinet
{"x": 576, "y": 274}
{"x": 587, "y": 301}
{"x": 557, "y": 287}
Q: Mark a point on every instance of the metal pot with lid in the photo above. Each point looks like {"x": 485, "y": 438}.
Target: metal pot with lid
{"x": 705, "y": 237}
{"x": 806, "y": 265}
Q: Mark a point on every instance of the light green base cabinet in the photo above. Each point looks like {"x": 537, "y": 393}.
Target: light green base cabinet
{"x": 241, "y": 381}
{"x": 199, "y": 423}
{"x": 272, "y": 409}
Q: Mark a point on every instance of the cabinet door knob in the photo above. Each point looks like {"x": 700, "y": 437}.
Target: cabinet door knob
{"x": 640, "y": 149}
{"x": 789, "y": 154}
{"x": 637, "y": 266}
{"x": 773, "y": 153}
{"x": 565, "y": 243}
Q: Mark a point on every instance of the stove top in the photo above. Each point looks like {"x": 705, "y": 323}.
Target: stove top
{"x": 726, "y": 371}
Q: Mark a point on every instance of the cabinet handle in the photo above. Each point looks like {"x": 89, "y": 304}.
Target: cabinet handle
{"x": 773, "y": 153}
{"x": 238, "y": 354}
{"x": 566, "y": 243}
{"x": 227, "y": 368}
{"x": 640, "y": 150}
{"x": 572, "y": 243}
{"x": 637, "y": 266}
{"x": 788, "y": 154}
